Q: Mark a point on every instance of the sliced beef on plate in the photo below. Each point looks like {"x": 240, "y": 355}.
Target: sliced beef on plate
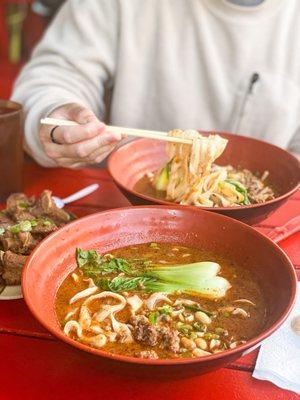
{"x": 18, "y": 200}
{"x": 21, "y": 243}
{"x": 22, "y": 215}
{"x": 41, "y": 230}
{"x": 5, "y": 220}
{"x": 18, "y": 207}
{"x": 46, "y": 206}
{"x": 11, "y": 265}
{"x": 28, "y": 242}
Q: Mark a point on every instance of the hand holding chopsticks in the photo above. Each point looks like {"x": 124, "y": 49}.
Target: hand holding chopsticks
{"x": 124, "y": 131}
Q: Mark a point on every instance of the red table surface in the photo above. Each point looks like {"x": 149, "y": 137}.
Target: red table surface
{"x": 35, "y": 365}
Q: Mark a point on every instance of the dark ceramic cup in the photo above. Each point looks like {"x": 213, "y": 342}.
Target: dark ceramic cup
{"x": 11, "y": 148}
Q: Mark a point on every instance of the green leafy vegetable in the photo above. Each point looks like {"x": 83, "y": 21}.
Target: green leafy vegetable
{"x": 209, "y": 336}
{"x": 198, "y": 327}
{"x": 153, "y": 317}
{"x": 116, "y": 264}
{"x": 196, "y": 308}
{"x": 87, "y": 256}
{"x": 94, "y": 264}
{"x": 239, "y": 187}
{"x": 197, "y": 278}
{"x": 165, "y": 309}
{"x": 184, "y": 328}
{"x": 185, "y": 273}
{"x": 221, "y": 331}
{"x": 33, "y": 222}
{"x": 162, "y": 179}
{"x": 123, "y": 284}
{"x": 23, "y": 205}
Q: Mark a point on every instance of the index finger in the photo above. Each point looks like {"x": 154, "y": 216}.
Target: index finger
{"x": 77, "y": 133}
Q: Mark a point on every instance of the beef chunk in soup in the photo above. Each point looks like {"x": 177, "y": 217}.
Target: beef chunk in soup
{"x": 169, "y": 339}
{"x": 151, "y": 335}
{"x": 143, "y": 331}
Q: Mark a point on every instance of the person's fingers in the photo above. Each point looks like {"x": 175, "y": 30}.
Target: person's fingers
{"x": 81, "y": 114}
{"x": 79, "y": 150}
{"x": 101, "y": 153}
{"x": 89, "y": 125}
{"x": 94, "y": 158}
{"x": 77, "y": 133}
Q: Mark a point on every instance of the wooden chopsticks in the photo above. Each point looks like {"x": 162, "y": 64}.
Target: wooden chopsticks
{"x": 282, "y": 232}
{"x": 125, "y": 131}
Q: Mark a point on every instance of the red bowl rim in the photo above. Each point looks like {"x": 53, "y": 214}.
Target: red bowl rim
{"x": 251, "y": 344}
{"x": 155, "y": 200}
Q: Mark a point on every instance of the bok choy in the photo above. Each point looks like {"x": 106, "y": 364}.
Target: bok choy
{"x": 162, "y": 179}
{"x": 199, "y": 278}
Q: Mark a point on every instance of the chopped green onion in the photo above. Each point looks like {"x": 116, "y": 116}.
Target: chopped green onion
{"x": 197, "y": 326}
{"x": 47, "y": 222}
{"x": 23, "y": 226}
{"x": 221, "y": 331}
{"x": 23, "y": 205}
{"x": 184, "y": 328}
{"x": 195, "y": 308}
{"x": 193, "y": 335}
{"x": 209, "y": 336}
{"x": 153, "y": 317}
{"x": 165, "y": 309}
{"x": 15, "y": 229}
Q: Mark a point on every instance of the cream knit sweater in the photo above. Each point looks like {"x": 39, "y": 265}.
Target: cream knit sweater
{"x": 171, "y": 64}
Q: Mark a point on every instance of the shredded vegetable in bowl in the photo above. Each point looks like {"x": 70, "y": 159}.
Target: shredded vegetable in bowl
{"x": 191, "y": 177}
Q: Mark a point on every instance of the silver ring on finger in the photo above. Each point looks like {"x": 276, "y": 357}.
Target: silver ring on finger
{"x": 53, "y": 140}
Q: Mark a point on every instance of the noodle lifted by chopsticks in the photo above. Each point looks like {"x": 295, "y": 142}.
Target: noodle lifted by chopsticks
{"x": 192, "y": 178}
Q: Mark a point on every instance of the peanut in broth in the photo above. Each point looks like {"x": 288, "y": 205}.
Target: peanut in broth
{"x": 244, "y": 286}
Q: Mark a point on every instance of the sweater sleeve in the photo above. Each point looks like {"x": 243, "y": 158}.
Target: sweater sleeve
{"x": 73, "y": 62}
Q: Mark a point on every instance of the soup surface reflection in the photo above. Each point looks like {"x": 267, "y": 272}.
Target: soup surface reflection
{"x": 153, "y": 323}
